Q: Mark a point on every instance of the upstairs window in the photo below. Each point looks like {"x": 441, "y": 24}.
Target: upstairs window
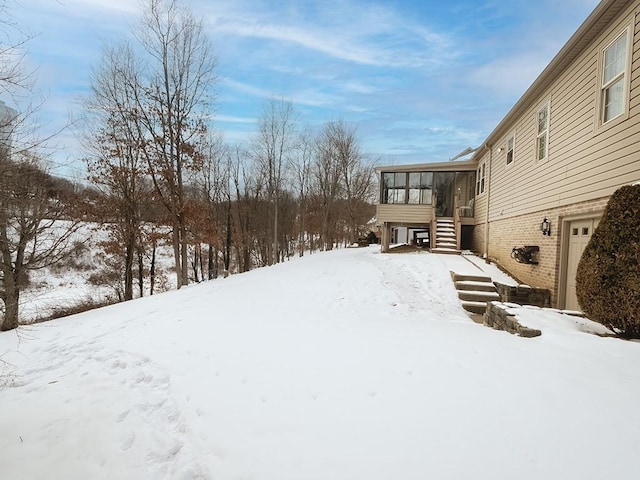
{"x": 542, "y": 139}
{"x": 480, "y": 179}
{"x": 614, "y": 73}
{"x": 511, "y": 144}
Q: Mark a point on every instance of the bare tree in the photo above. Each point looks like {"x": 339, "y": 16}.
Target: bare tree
{"x": 247, "y": 193}
{"x": 327, "y": 183}
{"x": 34, "y": 227}
{"x": 273, "y": 145}
{"x": 301, "y": 169}
{"x": 115, "y": 147}
{"x": 165, "y": 89}
{"x": 357, "y": 176}
{"x": 35, "y": 230}
{"x": 173, "y": 93}
{"x": 214, "y": 194}
{"x": 13, "y": 76}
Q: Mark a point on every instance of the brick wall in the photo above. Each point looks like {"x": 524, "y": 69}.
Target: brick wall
{"x": 478, "y": 239}
{"x": 504, "y": 234}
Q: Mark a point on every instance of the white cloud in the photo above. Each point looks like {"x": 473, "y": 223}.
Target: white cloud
{"x": 234, "y": 119}
{"x": 374, "y": 36}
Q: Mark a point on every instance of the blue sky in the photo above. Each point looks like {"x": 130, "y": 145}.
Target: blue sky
{"x": 422, "y": 80}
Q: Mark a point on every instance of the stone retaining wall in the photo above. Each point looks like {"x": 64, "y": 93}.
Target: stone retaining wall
{"x": 524, "y": 295}
{"x": 497, "y": 316}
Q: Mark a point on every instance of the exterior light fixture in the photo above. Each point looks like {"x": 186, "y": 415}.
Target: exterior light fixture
{"x": 545, "y": 227}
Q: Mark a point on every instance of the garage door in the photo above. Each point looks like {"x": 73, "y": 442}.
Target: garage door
{"x": 579, "y": 234}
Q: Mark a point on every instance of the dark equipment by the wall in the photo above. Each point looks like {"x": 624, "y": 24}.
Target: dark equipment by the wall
{"x": 525, "y": 254}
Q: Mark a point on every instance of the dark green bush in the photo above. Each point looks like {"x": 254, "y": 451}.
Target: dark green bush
{"x": 608, "y": 276}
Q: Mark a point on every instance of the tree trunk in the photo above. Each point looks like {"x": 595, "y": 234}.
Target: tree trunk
{"x": 11, "y": 301}
{"x": 140, "y": 272}
{"x": 195, "y": 263}
{"x": 128, "y": 271}
{"x": 185, "y": 254}
{"x": 152, "y": 268}
{"x": 211, "y": 270}
{"x": 175, "y": 239}
{"x": 276, "y": 247}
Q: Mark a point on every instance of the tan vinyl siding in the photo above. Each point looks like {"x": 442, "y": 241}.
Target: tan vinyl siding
{"x": 480, "y": 202}
{"x": 585, "y": 161}
{"x": 408, "y": 214}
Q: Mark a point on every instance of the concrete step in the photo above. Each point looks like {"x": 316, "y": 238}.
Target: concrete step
{"x": 457, "y": 277}
{"x": 445, "y": 235}
{"x": 475, "y": 307}
{"x": 451, "y": 243}
{"x": 475, "y": 286}
{"x": 452, "y": 251}
{"x": 478, "y": 296}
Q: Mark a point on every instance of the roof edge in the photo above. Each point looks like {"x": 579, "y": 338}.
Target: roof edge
{"x": 599, "y": 19}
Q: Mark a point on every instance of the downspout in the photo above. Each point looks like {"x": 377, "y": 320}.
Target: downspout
{"x": 487, "y": 180}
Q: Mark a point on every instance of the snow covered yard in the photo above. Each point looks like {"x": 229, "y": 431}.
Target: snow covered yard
{"x": 342, "y": 365}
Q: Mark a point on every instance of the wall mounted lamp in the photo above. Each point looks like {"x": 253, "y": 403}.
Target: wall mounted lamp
{"x": 545, "y": 227}
{"x": 501, "y": 149}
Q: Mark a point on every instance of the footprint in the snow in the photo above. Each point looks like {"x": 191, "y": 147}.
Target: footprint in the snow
{"x": 122, "y": 416}
{"x": 128, "y": 443}
{"x": 142, "y": 378}
{"x": 119, "y": 364}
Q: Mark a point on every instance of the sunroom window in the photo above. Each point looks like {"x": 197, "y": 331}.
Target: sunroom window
{"x": 413, "y": 188}
{"x": 420, "y": 187}
{"x": 395, "y": 187}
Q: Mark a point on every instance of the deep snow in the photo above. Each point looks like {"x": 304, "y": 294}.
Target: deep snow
{"x": 342, "y": 365}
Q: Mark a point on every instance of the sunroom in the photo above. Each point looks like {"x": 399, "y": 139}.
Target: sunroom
{"x": 428, "y": 205}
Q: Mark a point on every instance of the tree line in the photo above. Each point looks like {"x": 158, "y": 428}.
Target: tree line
{"x": 163, "y": 171}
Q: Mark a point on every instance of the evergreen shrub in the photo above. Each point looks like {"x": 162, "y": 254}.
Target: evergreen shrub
{"x": 608, "y": 276}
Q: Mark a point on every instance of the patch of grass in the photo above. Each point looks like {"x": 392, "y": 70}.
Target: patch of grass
{"x": 79, "y": 307}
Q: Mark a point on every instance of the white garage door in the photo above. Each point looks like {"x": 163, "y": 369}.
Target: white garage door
{"x": 579, "y": 234}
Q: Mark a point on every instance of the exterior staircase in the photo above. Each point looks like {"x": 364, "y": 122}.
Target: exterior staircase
{"x": 446, "y": 241}
{"x": 474, "y": 292}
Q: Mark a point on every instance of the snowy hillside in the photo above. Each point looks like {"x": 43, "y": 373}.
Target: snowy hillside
{"x": 343, "y": 365}
{"x": 86, "y": 276}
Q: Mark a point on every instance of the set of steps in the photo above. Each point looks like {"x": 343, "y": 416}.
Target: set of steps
{"x": 445, "y": 237}
{"x": 474, "y": 291}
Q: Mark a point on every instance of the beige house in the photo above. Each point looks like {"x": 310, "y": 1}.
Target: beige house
{"x": 544, "y": 175}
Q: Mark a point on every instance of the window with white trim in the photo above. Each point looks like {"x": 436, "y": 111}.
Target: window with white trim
{"x": 480, "y": 179}
{"x": 511, "y": 145}
{"x": 614, "y": 78}
{"x": 395, "y": 187}
{"x": 542, "y": 138}
{"x": 420, "y": 187}
{"x": 407, "y": 188}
